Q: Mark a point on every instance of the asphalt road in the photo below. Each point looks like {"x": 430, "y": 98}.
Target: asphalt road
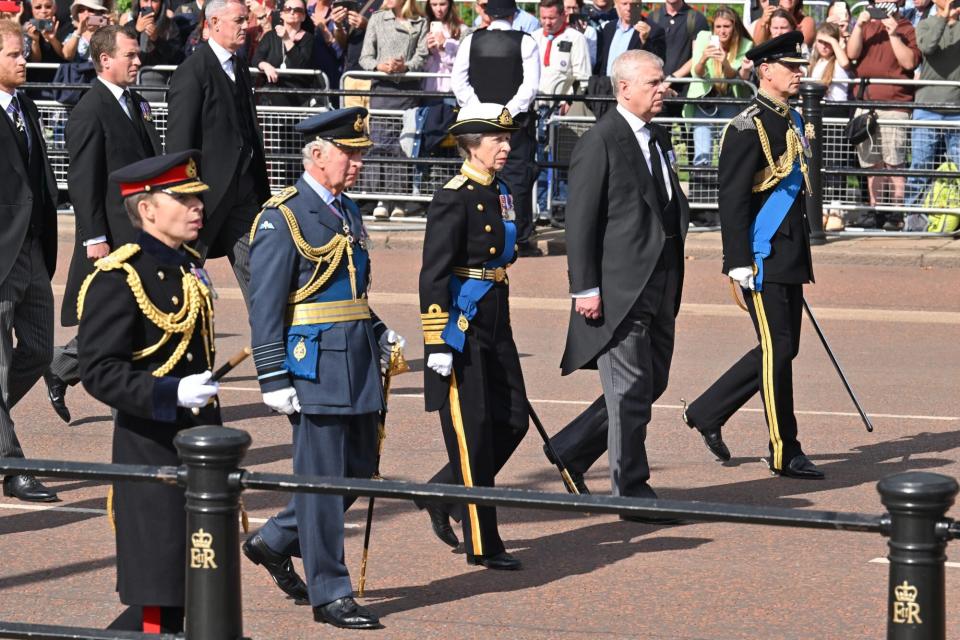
{"x": 894, "y": 327}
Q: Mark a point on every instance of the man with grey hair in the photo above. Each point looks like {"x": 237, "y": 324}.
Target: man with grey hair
{"x": 212, "y": 109}
{"x": 317, "y": 348}
{"x": 626, "y": 223}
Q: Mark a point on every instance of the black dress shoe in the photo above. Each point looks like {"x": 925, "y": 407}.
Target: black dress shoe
{"x": 576, "y": 476}
{"x": 279, "y": 566}
{"x": 440, "y": 522}
{"x": 57, "y": 392}
{"x": 712, "y": 438}
{"x": 346, "y": 614}
{"x": 28, "y": 488}
{"x": 801, "y": 468}
{"x": 503, "y": 561}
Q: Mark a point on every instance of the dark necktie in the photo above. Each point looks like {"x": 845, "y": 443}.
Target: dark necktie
{"x": 657, "y": 170}
{"x": 20, "y": 125}
{"x": 136, "y": 117}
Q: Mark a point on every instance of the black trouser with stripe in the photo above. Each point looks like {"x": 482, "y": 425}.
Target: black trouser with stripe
{"x": 485, "y": 417}
{"x": 768, "y": 368}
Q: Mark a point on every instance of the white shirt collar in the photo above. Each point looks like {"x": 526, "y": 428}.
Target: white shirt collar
{"x": 5, "y": 100}
{"x": 222, "y": 54}
{"x": 637, "y": 124}
{"x": 114, "y": 89}
{"x": 320, "y": 190}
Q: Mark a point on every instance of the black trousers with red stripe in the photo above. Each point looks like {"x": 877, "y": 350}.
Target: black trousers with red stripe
{"x": 768, "y": 368}
{"x": 484, "y": 419}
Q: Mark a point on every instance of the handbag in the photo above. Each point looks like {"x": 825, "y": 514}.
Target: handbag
{"x": 864, "y": 125}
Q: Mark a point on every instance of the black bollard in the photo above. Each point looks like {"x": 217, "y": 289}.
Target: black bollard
{"x": 211, "y": 456}
{"x": 917, "y": 503}
{"x": 812, "y": 97}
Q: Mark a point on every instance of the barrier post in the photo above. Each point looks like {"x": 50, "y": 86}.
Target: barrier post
{"x": 212, "y": 455}
{"x": 812, "y": 99}
{"x": 919, "y": 531}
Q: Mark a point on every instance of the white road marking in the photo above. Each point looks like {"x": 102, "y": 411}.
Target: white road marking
{"x": 678, "y": 407}
{"x": 952, "y": 565}
{"x": 19, "y": 506}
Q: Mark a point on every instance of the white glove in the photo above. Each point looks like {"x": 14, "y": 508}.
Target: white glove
{"x": 196, "y": 390}
{"x": 387, "y": 340}
{"x": 283, "y": 401}
{"x": 442, "y": 363}
{"x": 743, "y": 275}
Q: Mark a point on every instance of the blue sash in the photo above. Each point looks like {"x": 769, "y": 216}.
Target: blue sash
{"x": 465, "y": 293}
{"x": 773, "y": 212}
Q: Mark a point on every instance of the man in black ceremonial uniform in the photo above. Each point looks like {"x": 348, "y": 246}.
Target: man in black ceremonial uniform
{"x": 472, "y": 374}
{"x": 500, "y": 65}
{"x": 766, "y": 250}
{"x": 110, "y": 128}
{"x": 146, "y": 350}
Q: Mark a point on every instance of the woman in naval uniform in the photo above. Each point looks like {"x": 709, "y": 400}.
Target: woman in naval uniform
{"x": 473, "y": 376}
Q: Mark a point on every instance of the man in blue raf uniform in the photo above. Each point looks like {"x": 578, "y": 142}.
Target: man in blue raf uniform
{"x": 473, "y": 376}
{"x": 146, "y": 350}
{"x": 317, "y": 347}
{"x": 766, "y": 250}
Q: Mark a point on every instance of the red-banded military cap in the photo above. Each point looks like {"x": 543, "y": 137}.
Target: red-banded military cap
{"x": 173, "y": 174}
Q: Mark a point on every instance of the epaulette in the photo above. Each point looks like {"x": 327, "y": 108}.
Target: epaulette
{"x": 280, "y": 197}
{"x": 115, "y": 260}
{"x": 117, "y": 257}
{"x": 744, "y": 120}
{"x": 273, "y": 203}
{"x": 456, "y": 182}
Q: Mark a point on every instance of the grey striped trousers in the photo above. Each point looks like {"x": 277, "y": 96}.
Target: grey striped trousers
{"x": 26, "y": 311}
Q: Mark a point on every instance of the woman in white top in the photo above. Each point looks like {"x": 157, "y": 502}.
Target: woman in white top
{"x": 446, "y": 29}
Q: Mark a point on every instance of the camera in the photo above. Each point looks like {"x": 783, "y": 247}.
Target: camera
{"x": 42, "y": 25}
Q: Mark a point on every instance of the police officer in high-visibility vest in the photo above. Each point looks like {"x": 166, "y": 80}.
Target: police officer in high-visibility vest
{"x": 317, "y": 347}
{"x": 766, "y": 250}
{"x": 146, "y": 349}
{"x": 473, "y": 376}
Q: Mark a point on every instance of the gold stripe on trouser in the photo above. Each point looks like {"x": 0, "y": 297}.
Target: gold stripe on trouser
{"x": 769, "y": 398}
{"x": 457, "y": 418}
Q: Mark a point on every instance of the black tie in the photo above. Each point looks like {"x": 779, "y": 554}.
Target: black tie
{"x": 136, "y": 117}
{"x": 658, "y": 180}
{"x": 20, "y": 125}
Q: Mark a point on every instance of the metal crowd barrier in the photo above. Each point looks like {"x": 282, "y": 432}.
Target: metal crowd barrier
{"x": 915, "y": 522}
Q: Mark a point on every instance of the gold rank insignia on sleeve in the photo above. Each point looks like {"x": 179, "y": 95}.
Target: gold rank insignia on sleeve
{"x": 456, "y": 182}
{"x": 433, "y": 321}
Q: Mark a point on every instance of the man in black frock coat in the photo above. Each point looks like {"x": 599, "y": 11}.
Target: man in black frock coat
{"x": 110, "y": 128}
{"x": 211, "y": 109}
{"x": 626, "y": 224}
{"x": 146, "y": 350}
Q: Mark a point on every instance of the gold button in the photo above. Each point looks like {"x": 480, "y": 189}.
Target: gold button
{"x": 493, "y": 250}
{"x": 488, "y": 228}
{"x": 189, "y": 357}
{"x": 160, "y": 275}
{"x": 479, "y": 207}
{"x": 175, "y": 300}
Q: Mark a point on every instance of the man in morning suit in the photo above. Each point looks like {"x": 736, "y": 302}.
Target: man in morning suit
{"x": 111, "y": 127}
{"x": 28, "y": 253}
{"x": 146, "y": 351}
{"x": 317, "y": 347}
{"x": 211, "y": 109}
{"x": 626, "y": 225}
{"x": 766, "y": 250}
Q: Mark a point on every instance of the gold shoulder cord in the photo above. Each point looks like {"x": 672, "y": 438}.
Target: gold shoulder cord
{"x": 196, "y": 304}
{"x": 780, "y": 169}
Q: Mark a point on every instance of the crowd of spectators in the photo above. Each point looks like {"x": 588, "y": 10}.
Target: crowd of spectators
{"x": 894, "y": 41}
